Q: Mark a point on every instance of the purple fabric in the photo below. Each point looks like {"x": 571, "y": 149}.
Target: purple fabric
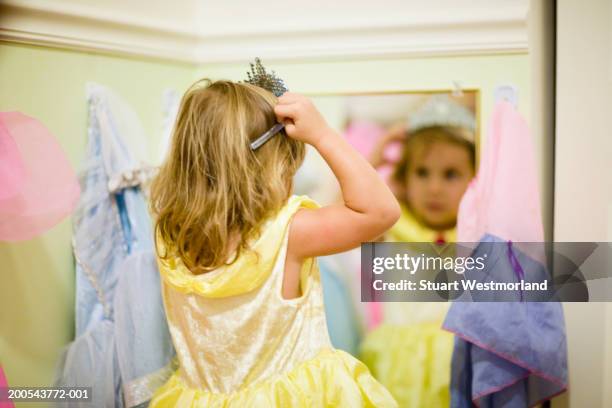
{"x": 511, "y": 352}
{"x": 515, "y": 265}
{"x": 507, "y": 354}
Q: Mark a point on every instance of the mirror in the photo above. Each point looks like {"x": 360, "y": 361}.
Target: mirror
{"x": 379, "y": 125}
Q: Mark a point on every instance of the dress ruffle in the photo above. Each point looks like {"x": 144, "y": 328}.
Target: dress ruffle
{"x": 333, "y": 378}
{"x": 412, "y": 361}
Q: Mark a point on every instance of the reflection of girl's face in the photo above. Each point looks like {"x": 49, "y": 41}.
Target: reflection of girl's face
{"x": 436, "y": 181}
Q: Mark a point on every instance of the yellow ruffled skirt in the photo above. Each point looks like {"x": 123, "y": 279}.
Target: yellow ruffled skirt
{"x": 413, "y": 362}
{"x": 333, "y": 378}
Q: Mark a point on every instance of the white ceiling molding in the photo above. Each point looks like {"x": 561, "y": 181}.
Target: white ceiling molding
{"x": 376, "y": 42}
{"x": 67, "y": 25}
{"x": 71, "y": 25}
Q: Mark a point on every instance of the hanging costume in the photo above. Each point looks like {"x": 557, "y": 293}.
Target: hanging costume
{"x": 240, "y": 343}
{"x": 342, "y": 322}
{"x": 4, "y": 383}
{"x": 122, "y": 347}
{"x": 38, "y": 187}
{"x": 507, "y": 354}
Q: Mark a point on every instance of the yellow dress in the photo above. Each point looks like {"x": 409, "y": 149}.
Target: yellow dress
{"x": 239, "y": 343}
{"x": 409, "y": 353}
{"x": 408, "y": 229}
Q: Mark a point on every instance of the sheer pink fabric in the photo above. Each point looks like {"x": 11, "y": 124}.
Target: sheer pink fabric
{"x": 504, "y": 199}
{"x": 4, "y": 383}
{"x": 12, "y": 172}
{"x": 38, "y": 187}
{"x": 363, "y": 136}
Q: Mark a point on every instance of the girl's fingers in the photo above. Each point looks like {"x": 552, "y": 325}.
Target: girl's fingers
{"x": 290, "y": 128}
{"x": 285, "y": 111}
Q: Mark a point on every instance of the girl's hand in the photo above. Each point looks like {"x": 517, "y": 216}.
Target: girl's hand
{"x": 302, "y": 120}
{"x": 398, "y": 132}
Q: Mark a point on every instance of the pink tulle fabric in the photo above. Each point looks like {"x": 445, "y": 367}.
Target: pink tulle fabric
{"x": 363, "y": 135}
{"x": 503, "y": 199}
{"x": 4, "y": 383}
{"x": 12, "y": 172}
{"x": 38, "y": 187}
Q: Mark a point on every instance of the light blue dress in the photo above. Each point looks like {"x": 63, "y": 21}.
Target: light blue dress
{"x": 342, "y": 323}
{"x": 122, "y": 347}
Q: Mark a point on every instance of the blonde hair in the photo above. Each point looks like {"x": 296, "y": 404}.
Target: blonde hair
{"x": 421, "y": 139}
{"x": 213, "y": 186}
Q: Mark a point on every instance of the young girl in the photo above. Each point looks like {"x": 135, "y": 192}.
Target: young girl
{"x": 409, "y": 353}
{"x": 237, "y": 252}
{"x": 436, "y": 165}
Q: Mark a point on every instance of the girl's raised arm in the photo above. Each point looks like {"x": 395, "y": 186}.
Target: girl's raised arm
{"x": 369, "y": 208}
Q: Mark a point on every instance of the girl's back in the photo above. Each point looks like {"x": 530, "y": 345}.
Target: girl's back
{"x": 234, "y": 341}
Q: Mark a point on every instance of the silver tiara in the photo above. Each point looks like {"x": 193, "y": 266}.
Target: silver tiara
{"x": 269, "y": 81}
{"x": 440, "y": 110}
